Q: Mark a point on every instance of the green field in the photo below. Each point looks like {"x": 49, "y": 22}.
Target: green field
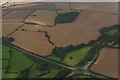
{"x": 111, "y": 32}
{"x": 75, "y": 57}
{"x": 52, "y": 74}
{"x": 10, "y": 75}
{"x": 34, "y": 72}
{"x": 53, "y": 58}
{"x": 19, "y": 61}
{"x": 5, "y": 52}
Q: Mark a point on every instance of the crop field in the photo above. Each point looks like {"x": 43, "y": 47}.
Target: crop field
{"x": 9, "y": 27}
{"x": 62, "y": 5}
{"x": 110, "y": 7}
{"x": 75, "y": 57}
{"x": 43, "y": 17}
{"x": 24, "y": 39}
{"x": 34, "y": 5}
{"x": 65, "y": 37}
{"x": 17, "y": 15}
{"x": 29, "y": 27}
{"x": 107, "y": 63}
{"x": 87, "y": 25}
{"x": 5, "y": 11}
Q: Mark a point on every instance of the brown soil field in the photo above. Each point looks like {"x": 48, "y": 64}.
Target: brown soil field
{"x": 34, "y": 5}
{"x": 29, "y": 27}
{"x": 82, "y": 30}
{"x": 110, "y": 7}
{"x": 33, "y": 42}
{"x": 17, "y": 15}
{"x": 5, "y": 11}
{"x": 9, "y": 27}
{"x": 107, "y": 63}
{"x": 62, "y": 5}
{"x": 43, "y": 17}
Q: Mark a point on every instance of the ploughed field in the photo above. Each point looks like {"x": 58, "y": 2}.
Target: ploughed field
{"x": 34, "y": 42}
{"x": 38, "y": 17}
{"x": 33, "y": 27}
{"x": 107, "y": 63}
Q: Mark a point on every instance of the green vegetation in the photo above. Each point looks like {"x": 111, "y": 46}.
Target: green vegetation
{"x": 10, "y": 75}
{"x": 19, "y": 61}
{"x": 111, "y": 32}
{"x": 66, "y": 17}
{"x": 81, "y": 76}
{"x": 52, "y": 74}
{"x": 75, "y": 57}
{"x": 5, "y": 63}
{"x": 33, "y": 72}
{"x": 54, "y": 58}
{"x": 5, "y": 52}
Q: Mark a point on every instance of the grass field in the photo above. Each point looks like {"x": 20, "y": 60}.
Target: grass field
{"x": 76, "y": 56}
{"x": 10, "y": 75}
{"x": 33, "y": 72}
{"x": 111, "y": 32}
{"x": 52, "y": 74}
{"x": 53, "y": 58}
{"x": 5, "y": 55}
{"x": 19, "y": 62}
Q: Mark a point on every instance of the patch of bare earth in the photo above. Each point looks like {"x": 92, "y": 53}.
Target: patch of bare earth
{"x": 107, "y": 63}
{"x": 33, "y": 42}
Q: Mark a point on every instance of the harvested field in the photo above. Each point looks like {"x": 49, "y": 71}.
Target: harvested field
{"x": 29, "y": 27}
{"x": 62, "y": 5}
{"x": 34, "y": 5}
{"x": 17, "y": 15}
{"x": 82, "y": 30}
{"x": 9, "y": 27}
{"x": 5, "y": 11}
{"x": 109, "y": 7}
{"x": 107, "y": 63}
{"x": 25, "y": 40}
{"x": 43, "y": 17}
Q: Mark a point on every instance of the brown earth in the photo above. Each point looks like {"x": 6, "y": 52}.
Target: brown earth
{"x": 9, "y": 27}
{"x": 43, "y": 17}
{"x": 34, "y": 5}
{"x": 107, "y": 63}
{"x": 17, "y": 15}
{"x": 33, "y": 42}
{"x": 109, "y": 7}
{"x": 82, "y": 30}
